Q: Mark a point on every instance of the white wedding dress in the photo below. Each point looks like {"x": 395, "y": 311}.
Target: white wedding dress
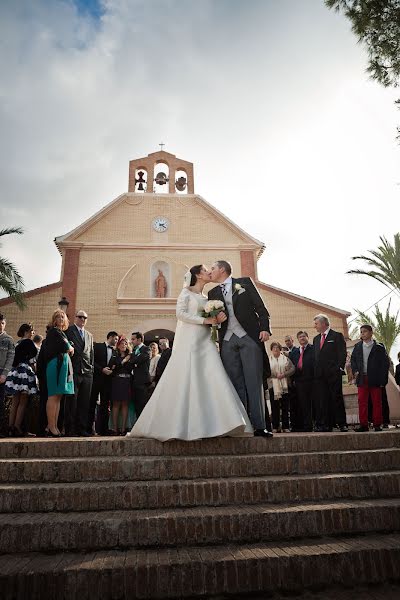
{"x": 194, "y": 398}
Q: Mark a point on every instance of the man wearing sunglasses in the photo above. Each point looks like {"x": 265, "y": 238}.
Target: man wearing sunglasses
{"x": 77, "y": 406}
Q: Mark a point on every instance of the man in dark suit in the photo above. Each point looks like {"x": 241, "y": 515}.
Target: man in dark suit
{"x": 242, "y": 338}
{"x": 397, "y": 372}
{"x": 330, "y": 359}
{"x": 303, "y": 360}
{"x": 140, "y": 360}
{"x": 370, "y": 365}
{"x": 103, "y": 352}
{"x": 77, "y": 406}
{"x": 296, "y": 419}
{"x": 166, "y": 352}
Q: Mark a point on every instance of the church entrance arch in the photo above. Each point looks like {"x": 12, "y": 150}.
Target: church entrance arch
{"x": 155, "y": 334}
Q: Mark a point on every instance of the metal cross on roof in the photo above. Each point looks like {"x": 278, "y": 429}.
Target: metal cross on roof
{"x": 162, "y": 145}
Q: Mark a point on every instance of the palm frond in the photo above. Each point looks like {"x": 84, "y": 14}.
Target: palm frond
{"x": 9, "y": 230}
{"x": 11, "y": 282}
{"x": 386, "y": 327}
{"x": 384, "y": 262}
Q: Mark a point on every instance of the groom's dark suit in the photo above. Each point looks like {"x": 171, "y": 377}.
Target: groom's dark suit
{"x": 243, "y": 355}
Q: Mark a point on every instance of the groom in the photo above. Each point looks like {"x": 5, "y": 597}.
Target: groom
{"x": 241, "y": 339}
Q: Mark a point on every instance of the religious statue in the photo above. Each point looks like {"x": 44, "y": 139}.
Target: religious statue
{"x": 161, "y": 285}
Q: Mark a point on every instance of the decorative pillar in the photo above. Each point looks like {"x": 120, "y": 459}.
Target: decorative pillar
{"x": 247, "y": 264}
{"x": 171, "y": 182}
{"x": 70, "y": 278}
{"x": 150, "y": 177}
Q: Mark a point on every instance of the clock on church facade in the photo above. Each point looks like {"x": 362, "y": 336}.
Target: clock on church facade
{"x": 125, "y": 265}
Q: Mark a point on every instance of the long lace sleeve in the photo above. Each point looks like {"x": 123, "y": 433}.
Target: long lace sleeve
{"x": 183, "y": 312}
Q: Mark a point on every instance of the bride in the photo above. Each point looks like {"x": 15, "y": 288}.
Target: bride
{"x": 194, "y": 398}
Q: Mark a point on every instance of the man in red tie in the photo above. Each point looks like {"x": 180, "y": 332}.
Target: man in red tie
{"x": 330, "y": 359}
{"x": 304, "y": 380}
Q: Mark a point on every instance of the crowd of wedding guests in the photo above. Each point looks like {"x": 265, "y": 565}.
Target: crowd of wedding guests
{"x": 305, "y": 390}
{"x": 87, "y": 388}
{"x": 84, "y": 388}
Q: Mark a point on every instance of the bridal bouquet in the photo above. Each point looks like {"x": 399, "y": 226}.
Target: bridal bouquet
{"x": 211, "y": 309}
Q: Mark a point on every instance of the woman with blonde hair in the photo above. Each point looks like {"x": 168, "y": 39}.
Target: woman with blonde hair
{"x": 281, "y": 369}
{"x": 59, "y": 373}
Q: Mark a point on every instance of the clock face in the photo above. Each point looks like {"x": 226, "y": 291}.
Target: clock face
{"x": 160, "y": 224}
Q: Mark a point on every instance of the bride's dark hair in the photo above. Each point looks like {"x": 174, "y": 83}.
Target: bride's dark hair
{"x": 196, "y": 270}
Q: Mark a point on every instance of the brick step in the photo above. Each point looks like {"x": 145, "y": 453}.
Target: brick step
{"x": 197, "y": 571}
{"x": 122, "y": 446}
{"x": 146, "y": 468}
{"x": 375, "y": 591}
{"x": 101, "y": 496}
{"x": 52, "y": 532}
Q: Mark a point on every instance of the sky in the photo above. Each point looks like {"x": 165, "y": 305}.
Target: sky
{"x": 268, "y": 98}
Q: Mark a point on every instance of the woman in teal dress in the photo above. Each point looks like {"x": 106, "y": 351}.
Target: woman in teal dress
{"x": 59, "y": 374}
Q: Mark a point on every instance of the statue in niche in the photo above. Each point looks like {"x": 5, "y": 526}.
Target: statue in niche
{"x": 160, "y": 285}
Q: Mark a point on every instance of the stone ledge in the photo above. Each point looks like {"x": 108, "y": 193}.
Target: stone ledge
{"x": 49, "y": 532}
{"x": 111, "y": 446}
{"x": 197, "y": 571}
{"x": 149, "y": 468}
{"x": 127, "y": 495}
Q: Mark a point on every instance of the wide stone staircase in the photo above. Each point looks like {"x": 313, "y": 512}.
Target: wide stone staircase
{"x": 118, "y": 518}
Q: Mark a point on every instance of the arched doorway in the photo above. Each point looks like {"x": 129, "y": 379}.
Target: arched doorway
{"x": 155, "y": 334}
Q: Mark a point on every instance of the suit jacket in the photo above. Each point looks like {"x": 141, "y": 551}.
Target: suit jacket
{"x": 100, "y": 362}
{"x": 140, "y": 366}
{"x": 331, "y": 358}
{"x": 250, "y": 311}
{"x": 83, "y": 358}
{"x": 397, "y": 374}
{"x": 377, "y": 366}
{"x": 162, "y": 363}
{"x": 306, "y": 373}
{"x": 100, "y": 357}
{"x": 248, "y": 307}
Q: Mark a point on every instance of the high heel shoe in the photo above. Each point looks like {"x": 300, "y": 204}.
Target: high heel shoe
{"x": 49, "y": 433}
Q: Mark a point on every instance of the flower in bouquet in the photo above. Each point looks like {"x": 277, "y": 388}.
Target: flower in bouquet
{"x": 212, "y": 309}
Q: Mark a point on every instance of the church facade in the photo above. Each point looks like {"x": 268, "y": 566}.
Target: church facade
{"x": 125, "y": 265}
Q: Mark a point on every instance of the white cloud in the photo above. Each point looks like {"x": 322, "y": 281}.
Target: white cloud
{"x": 269, "y": 100}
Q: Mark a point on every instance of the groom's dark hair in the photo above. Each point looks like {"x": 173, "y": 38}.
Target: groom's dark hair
{"x": 223, "y": 264}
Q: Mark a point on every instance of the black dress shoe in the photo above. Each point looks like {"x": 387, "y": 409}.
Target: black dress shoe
{"x": 379, "y": 428}
{"x": 361, "y": 429}
{"x": 263, "y": 433}
{"x": 343, "y": 428}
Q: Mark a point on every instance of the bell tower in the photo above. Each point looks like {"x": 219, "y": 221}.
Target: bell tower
{"x": 150, "y": 174}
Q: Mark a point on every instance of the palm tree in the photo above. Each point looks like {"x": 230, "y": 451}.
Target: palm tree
{"x": 386, "y": 326}
{"x": 384, "y": 263}
{"x": 354, "y": 332}
{"x": 11, "y": 281}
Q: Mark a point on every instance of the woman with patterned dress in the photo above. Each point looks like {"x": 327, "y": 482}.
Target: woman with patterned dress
{"x": 21, "y": 380}
{"x": 59, "y": 374}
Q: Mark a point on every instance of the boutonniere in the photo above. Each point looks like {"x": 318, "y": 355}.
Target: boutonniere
{"x": 239, "y": 289}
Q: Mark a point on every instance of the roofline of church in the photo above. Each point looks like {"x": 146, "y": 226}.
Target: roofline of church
{"x": 233, "y": 225}
{"x": 108, "y": 207}
{"x": 34, "y": 292}
{"x": 314, "y": 303}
